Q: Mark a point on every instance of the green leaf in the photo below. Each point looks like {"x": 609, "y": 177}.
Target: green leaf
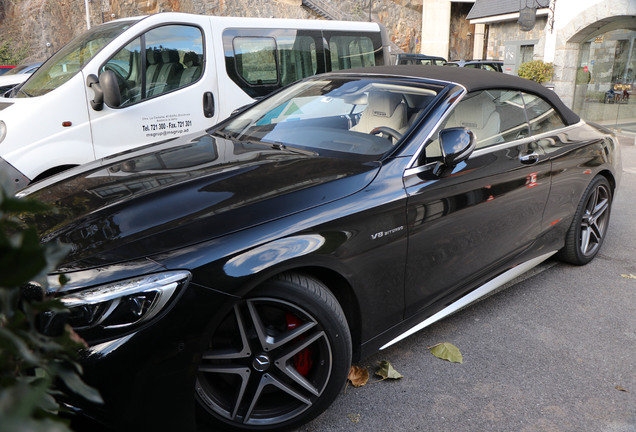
{"x": 21, "y": 348}
{"x": 447, "y": 351}
{"x": 73, "y": 381}
{"x": 387, "y": 371}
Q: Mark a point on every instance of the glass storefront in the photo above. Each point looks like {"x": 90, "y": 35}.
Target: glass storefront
{"x": 605, "y": 88}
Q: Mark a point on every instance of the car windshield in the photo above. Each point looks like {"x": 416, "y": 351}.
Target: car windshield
{"x": 352, "y": 116}
{"x": 69, "y": 60}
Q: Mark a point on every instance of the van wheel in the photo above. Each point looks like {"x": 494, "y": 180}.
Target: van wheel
{"x": 589, "y": 226}
{"x": 277, "y": 360}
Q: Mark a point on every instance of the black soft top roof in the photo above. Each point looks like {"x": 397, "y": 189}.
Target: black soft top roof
{"x": 474, "y": 80}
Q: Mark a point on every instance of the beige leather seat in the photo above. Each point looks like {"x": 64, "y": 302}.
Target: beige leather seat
{"x": 383, "y": 109}
{"x": 478, "y": 114}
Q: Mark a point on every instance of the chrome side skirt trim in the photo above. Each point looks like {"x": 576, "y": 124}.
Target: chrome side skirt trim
{"x": 474, "y": 295}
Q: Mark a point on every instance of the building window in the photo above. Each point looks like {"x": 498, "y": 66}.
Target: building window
{"x": 526, "y": 53}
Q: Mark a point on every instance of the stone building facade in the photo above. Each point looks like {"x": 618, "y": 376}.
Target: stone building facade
{"x": 592, "y": 44}
{"x": 505, "y": 42}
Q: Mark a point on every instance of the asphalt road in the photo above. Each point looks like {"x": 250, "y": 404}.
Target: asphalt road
{"x": 555, "y": 351}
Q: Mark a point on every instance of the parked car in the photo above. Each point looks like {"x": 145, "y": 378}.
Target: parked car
{"x": 419, "y": 59}
{"x": 229, "y": 279}
{"x": 489, "y": 65}
{"x": 16, "y": 76}
{"x": 5, "y": 68}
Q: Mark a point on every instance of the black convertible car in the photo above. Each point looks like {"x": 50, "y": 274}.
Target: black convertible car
{"x": 228, "y": 280}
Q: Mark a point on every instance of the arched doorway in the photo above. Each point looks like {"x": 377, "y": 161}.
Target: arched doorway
{"x": 605, "y": 87}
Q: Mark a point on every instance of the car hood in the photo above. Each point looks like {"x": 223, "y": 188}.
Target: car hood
{"x": 13, "y": 79}
{"x": 178, "y": 194}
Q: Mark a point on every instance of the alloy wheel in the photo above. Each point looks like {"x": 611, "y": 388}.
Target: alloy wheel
{"x": 266, "y": 364}
{"x": 594, "y": 220}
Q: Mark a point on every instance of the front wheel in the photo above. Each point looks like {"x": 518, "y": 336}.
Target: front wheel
{"x": 589, "y": 226}
{"x": 277, "y": 360}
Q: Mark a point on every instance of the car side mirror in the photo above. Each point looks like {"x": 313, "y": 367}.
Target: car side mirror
{"x": 106, "y": 90}
{"x": 457, "y": 145}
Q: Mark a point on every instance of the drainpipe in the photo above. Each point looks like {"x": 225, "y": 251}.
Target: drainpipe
{"x": 629, "y": 60}
{"x": 88, "y": 19}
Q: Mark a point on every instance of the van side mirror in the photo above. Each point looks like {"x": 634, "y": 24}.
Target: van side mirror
{"x": 457, "y": 145}
{"x": 106, "y": 90}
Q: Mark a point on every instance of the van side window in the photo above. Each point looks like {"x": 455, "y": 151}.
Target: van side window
{"x": 255, "y": 59}
{"x": 161, "y": 60}
{"x": 264, "y": 60}
{"x": 351, "y": 51}
{"x": 297, "y": 58}
{"x": 260, "y": 61}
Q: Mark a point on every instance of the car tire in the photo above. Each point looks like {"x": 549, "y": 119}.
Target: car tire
{"x": 277, "y": 360}
{"x": 589, "y": 226}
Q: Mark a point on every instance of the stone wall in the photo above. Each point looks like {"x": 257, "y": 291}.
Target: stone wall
{"x": 507, "y": 31}
{"x": 44, "y": 26}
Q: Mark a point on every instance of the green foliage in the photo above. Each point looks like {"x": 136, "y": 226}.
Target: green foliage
{"x": 30, "y": 361}
{"x": 583, "y": 76}
{"x": 11, "y": 53}
{"x": 536, "y": 70}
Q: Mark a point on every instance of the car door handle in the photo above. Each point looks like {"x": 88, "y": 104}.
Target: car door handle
{"x": 208, "y": 104}
{"x": 530, "y": 158}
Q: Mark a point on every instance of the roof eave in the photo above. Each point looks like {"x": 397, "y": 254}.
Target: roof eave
{"x": 505, "y": 17}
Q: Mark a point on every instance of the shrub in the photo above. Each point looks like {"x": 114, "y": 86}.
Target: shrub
{"x": 31, "y": 362}
{"x": 536, "y": 70}
{"x": 11, "y": 53}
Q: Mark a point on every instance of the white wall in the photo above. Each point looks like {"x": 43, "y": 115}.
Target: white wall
{"x": 436, "y": 27}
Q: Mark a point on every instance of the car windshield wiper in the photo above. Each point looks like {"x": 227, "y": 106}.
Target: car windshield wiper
{"x": 223, "y": 134}
{"x": 281, "y": 146}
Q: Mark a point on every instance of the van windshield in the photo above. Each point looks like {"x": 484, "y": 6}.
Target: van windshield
{"x": 69, "y": 60}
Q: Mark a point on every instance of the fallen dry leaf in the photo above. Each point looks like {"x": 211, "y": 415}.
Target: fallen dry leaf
{"x": 387, "y": 371}
{"x": 628, "y": 276}
{"x": 623, "y": 389}
{"x": 358, "y": 376}
{"x": 447, "y": 351}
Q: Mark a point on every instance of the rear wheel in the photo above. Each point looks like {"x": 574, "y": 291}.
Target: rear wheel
{"x": 589, "y": 226}
{"x": 277, "y": 360}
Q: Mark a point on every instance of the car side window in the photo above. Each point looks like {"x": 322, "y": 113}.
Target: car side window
{"x": 173, "y": 59}
{"x": 494, "y": 116}
{"x": 542, "y": 116}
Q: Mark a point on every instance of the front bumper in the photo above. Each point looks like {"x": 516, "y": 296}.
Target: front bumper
{"x": 15, "y": 177}
{"x": 147, "y": 378}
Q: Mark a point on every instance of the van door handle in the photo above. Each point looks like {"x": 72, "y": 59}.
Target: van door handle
{"x": 529, "y": 159}
{"x": 208, "y": 104}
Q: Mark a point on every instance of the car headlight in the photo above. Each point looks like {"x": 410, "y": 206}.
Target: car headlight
{"x": 108, "y": 310}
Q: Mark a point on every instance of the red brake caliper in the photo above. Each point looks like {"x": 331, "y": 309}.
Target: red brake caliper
{"x": 302, "y": 361}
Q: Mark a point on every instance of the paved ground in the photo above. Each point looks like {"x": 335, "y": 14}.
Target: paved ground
{"x": 553, "y": 352}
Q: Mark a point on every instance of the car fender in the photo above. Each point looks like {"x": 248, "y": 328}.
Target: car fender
{"x": 272, "y": 254}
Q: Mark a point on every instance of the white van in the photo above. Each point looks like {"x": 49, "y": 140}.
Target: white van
{"x": 136, "y": 81}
